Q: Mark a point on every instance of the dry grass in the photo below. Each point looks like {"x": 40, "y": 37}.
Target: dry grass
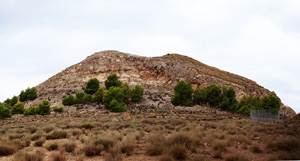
{"x": 91, "y": 149}
{"x": 106, "y": 141}
{"x": 57, "y": 134}
{"x": 127, "y": 145}
{"x": 166, "y": 157}
{"x": 190, "y": 138}
{"x": 57, "y": 156}
{"x": 255, "y": 149}
{"x": 39, "y": 142}
{"x": 178, "y": 151}
{"x": 156, "y": 144}
{"x": 51, "y": 146}
{"x": 237, "y": 157}
{"x": 69, "y": 146}
{"x": 26, "y": 156}
{"x": 6, "y": 150}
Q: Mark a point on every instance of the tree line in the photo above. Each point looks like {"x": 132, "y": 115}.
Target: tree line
{"x": 224, "y": 97}
{"x": 116, "y": 96}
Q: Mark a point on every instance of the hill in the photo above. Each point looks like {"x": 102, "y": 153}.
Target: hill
{"x": 158, "y": 75}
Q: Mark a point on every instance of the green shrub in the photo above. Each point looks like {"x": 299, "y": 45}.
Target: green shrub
{"x": 271, "y": 102}
{"x": 79, "y": 97}
{"x": 183, "y": 94}
{"x": 69, "y": 100}
{"x": 112, "y": 81}
{"x": 213, "y": 94}
{"x": 113, "y": 93}
{"x": 127, "y": 92}
{"x": 87, "y": 99}
{"x": 200, "y": 96}
{"x": 11, "y": 102}
{"x": 249, "y": 103}
{"x": 5, "y": 112}
{"x": 137, "y": 93}
{"x": 18, "y": 108}
{"x": 44, "y": 108}
{"x": 32, "y": 110}
{"x": 92, "y": 86}
{"x": 98, "y": 96}
{"x": 229, "y": 101}
{"x": 116, "y": 106}
{"x": 28, "y": 94}
{"x": 58, "y": 109}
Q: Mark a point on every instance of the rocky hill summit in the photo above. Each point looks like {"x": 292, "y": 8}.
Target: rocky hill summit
{"x": 158, "y": 76}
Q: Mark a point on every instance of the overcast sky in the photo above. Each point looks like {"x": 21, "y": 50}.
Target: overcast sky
{"x": 257, "y": 39}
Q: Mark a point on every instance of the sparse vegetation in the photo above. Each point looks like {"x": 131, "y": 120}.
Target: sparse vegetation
{"x": 114, "y": 137}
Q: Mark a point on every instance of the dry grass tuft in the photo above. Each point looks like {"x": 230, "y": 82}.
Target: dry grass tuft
{"x": 91, "y": 150}
{"x": 198, "y": 158}
{"x": 255, "y": 149}
{"x": 69, "y": 146}
{"x": 236, "y": 157}
{"x": 51, "y": 146}
{"x": 57, "y": 134}
{"x": 87, "y": 125}
{"x": 6, "y": 150}
{"x": 57, "y": 156}
{"x": 156, "y": 144}
{"x": 181, "y": 139}
{"x": 26, "y": 156}
{"x": 127, "y": 145}
{"x": 166, "y": 157}
{"x": 107, "y": 142}
{"x": 39, "y": 142}
{"x": 178, "y": 151}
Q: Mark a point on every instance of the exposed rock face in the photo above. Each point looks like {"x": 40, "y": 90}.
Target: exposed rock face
{"x": 158, "y": 75}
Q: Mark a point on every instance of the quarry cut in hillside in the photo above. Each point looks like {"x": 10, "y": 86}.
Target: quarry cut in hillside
{"x": 158, "y": 76}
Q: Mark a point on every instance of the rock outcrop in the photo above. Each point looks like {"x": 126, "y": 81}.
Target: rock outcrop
{"x": 158, "y": 75}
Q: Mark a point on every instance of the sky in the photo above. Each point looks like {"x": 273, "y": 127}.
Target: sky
{"x": 256, "y": 39}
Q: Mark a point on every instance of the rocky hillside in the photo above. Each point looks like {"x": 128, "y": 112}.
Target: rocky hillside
{"x": 158, "y": 75}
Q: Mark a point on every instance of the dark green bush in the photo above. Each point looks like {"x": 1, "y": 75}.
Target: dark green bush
{"x": 32, "y": 110}
{"x": 116, "y": 106}
{"x": 44, "y": 108}
{"x": 112, "y": 81}
{"x": 137, "y": 93}
{"x": 113, "y": 93}
{"x": 5, "y": 112}
{"x": 58, "y": 109}
{"x": 18, "y": 108}
{"x": 213, "y": 95}
{"x": 271, "y": 102}
{"x": 28, "y": 94}
{"x": 98, "y": 96}
{"x": 127, "y": 92}
{"x": 79, "y": 97}
{"x": 200, "y": 96}
{"x": 183, "y": 94}
{"x": 69, "y": 100}
{"x": 87, "y": 99}
{"x": 229, "y": 101}
{"x": 92, "y": 86}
